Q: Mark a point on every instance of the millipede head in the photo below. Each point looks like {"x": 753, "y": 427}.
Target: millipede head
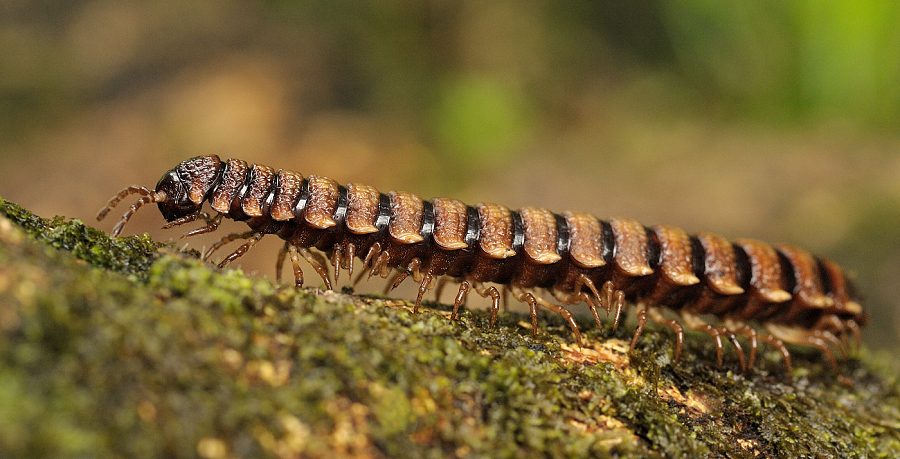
{"x": 177, "y": 202}
{"x": 179, "y": 193}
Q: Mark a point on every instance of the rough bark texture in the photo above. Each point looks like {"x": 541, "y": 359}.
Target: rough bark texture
{"x": 126, "y": 348}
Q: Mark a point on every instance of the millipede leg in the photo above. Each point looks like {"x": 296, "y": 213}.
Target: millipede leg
{"x": 592, "y": 305}
{"x": 226, "y": 240}
{"x": 423, "y": 287}
{"x": 379, "y": 266}
{"x": 642, "y": 320}
{"x": 583, "y": 280}
{"x": 373, "y": 252}
{"x": 416, "y": 272}
{"x": 607, "y": 298}
{"x": 675, "y": 326}
{"x": 350, "y": 257}
{"x": 460, "y": 297}
{"x": 371, "y": 255}
{"x": 846, "y": 345}
{"x": 495, "y": 299}
{"x": 698, "y": 324}
{"x": 785, "y": 354}
{"x": 565, "y": 313}
{"x": 820, "y": 339}
{"x": 532, "y": 309}
{"x": 839, "y": 338}
{"x": 318, "y": 264}
{"x": 336, "y": 262}
{"x": 495, "y": 304}
{"x": 251, "y": 241}
{"x": 620, "y": 304}
{"x": 749, "y": 332}
{"x": 394, "y": 281}
{"x": 737, "y": 347}
{"x": 400, "y": 276}
{"x": 212, "y": 223}
{"x": 295, "y": 261}
{"x": 837, "y": 343}
{"x": 186, "y": 219}
{"x": 816, "y": 338}
{"x": 714, "y": 332}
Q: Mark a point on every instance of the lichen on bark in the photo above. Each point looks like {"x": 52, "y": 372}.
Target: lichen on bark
{"x": 125, "y": 347}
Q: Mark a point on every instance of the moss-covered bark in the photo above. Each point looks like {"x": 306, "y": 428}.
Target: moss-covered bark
{"x": 128, "y": 349}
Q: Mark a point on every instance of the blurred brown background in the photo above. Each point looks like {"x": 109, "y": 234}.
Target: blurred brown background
{"x": 774, "y": 120}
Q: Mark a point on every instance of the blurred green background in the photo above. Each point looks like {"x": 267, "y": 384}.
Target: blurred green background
{"x": 775, "y": 120}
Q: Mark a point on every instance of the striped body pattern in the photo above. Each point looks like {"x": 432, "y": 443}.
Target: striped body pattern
{"x": 775, "y": 294}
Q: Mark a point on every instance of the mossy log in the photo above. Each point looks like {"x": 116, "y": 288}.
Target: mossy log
{"x": 128, "y": 348}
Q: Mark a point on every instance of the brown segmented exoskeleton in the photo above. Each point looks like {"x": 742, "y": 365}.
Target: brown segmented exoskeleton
{"x": 789, "y": 295}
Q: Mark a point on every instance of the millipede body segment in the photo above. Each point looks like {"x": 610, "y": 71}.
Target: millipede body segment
{"x": 787, "y": 293}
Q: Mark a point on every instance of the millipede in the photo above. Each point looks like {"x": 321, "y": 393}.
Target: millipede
{"x": 773, "y": 294}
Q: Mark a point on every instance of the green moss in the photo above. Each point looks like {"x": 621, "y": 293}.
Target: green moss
{"x": 176, "y": 359}
{"x": 131, "y": 255}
